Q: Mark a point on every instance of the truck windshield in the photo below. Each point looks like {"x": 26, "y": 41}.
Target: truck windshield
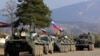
{"x": 83, "y": 37}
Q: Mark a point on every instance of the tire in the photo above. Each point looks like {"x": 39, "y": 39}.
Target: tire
{"x": 71, "y": 48}
{"x": 67, "y": 49}
{"x": 52, "y": 49}
{"x": 63, "y": 47}
{"x": 74, "y": 48}
{"x": 35, "y": 51}
{"x": 91, "y": 47}
{"x": 13, "y": 53}
{"x": 46, "y": 49}
{"x": 41, "y": 50}
{"x": 6, "y": 54}
{"x": 61, "y": 50}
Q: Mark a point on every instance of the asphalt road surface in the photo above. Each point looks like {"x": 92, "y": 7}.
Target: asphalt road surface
{"x": 96, "y": 52}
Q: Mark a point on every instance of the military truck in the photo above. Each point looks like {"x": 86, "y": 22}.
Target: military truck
{"x": 22, "y": 42}
{"x": 85, "y": 41}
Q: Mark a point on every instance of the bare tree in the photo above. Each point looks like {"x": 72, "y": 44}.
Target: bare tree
{"x": 9, "y": 11}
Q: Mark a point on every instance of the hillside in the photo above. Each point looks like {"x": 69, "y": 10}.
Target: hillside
{"x": 81, "y": 17}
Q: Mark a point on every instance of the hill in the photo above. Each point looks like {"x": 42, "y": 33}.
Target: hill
{"x": 79, "y": 17}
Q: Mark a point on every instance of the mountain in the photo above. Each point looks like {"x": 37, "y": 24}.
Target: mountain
{"x": 83, "y": 16}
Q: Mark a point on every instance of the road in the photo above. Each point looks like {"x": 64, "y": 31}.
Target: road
{"x": 96, "y": 52}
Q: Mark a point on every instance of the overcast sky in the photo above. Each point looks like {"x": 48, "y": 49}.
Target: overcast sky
{"x": 51, "y": 3}
{"x": 59, "y": 3}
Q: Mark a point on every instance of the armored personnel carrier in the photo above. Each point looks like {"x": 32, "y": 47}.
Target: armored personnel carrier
{"x": 3, "y": 37}
{"x": 64, "y": 44}
{"x": 85, "y": 41}
{"x": 22, "y": 42}
{"x": 72, "y": 45}
{"x": 47, "y": 43}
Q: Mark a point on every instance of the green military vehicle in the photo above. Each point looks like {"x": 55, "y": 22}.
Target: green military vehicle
{"x": 64, "y": 44}
{"x": 48, "y": 43}
{"x": 19, "y": 42}
{"x": 85, "y": 41}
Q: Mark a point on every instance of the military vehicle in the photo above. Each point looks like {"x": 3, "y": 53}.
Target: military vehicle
{"x": 72, "y": 45}
{"x": 64, "y": 44}
{"x": 47, "y": 43}
{"x": 22, "y": 42}
{"x": 3, "y": 37}
{"x": 85, "y": 41}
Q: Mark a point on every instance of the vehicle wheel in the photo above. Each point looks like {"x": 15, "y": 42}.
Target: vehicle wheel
{"x": 52, "y": 49}
{"x": 38, "y": 50}
{"x": 71, "y": 48}
{"x": 41, "y": 52}
{"x": 91, "y": 47}
{"x": 67, "y": 49}
{"x": 13, "y": 53}
{"x": 35, "y": 51}
{"x": 61, "y": 48}
{"x": 77, "y": 48}
{"x": 64, "y": 48}
{"x": 6, "y": 54}
{"x": 46, "y": 49}
{"x": 74, "y": 48}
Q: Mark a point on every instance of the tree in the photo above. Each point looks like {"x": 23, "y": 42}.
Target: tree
{"x": 34, "y": 12}
{"x": 9, "y": 12}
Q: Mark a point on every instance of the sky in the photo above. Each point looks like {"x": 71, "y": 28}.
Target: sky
{"x": 52, "y": 4}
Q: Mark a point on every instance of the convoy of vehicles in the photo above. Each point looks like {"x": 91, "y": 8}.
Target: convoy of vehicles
{"x": 39, "y": 44}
